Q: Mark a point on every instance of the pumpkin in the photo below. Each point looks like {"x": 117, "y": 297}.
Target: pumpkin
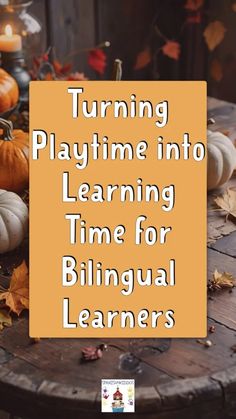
{"x": 13, "y": 221}
{"x": 221, "y": 159}
{"x": 9, "y": 92}
{"x": 14, "y": 154}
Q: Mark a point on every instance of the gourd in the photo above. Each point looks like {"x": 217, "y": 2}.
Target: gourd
{"x": 14, "y": 154}
{"x": 13, "y": 221}
{"x": 9, "y": 92}
{"x": 221, "y": 159}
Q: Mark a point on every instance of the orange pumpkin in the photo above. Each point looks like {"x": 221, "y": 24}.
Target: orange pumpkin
{"x": 14, "y": 155}
{"x": 9, "y": 92}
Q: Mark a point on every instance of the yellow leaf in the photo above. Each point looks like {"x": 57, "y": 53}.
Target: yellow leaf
{"x": 5, "y": 319}
{"x": 220, "y": 281}
{"x": 214, "y": 34}
{"x": 227, "y": 202}
{"x": 17, "y": 296}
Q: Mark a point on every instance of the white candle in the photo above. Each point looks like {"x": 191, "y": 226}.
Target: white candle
{"x": 10, "y": 42}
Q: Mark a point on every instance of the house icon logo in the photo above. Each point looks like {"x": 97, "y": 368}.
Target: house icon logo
{"x": 117, "y": 396}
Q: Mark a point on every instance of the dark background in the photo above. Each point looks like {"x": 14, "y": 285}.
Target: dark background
{"x": 70, "y": 25}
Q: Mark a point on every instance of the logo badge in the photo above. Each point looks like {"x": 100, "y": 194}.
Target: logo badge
{"x": 117, "y": 396}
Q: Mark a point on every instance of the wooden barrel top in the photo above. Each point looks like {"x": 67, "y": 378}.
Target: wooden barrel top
{"x": 174, "y": 379}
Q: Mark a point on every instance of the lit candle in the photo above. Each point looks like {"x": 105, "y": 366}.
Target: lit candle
{"x": 10, "y": 42}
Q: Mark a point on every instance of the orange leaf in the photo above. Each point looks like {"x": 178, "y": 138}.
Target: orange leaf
{"x": 216, "y": 70}
{"x": 194, "y": 5}
{"x": 214, "y": 34}
{"x": 97, "y": 60}
{"x": 171, "y": 49}
{"x": 143, "y": 59}
{"x": 17, "y": 296}
{"x": 234, "y": 7}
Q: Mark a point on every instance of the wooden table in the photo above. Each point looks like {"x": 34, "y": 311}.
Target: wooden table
{"x": 175, "y": 379}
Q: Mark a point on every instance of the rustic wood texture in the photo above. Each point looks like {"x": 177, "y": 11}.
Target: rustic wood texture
{"x": 178, "y": 378}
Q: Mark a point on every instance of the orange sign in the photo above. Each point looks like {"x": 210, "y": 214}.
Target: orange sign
{"x": 118, "y": 209}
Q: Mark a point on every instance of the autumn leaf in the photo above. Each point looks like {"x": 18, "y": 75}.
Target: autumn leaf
{"x": 143, "y": 59}
{"x": 5, "y": 319}
{"x": 214, "y": 34}
{"x": 234, "y": 7}
{"x": 227, "y": 202}
{"x": 93, "y": 353}
{"x": 194, "y": 5}
{"x": 97, "y": 60}
{"x": 220, "y": 281}
{"x": 17, "y": 296}
{"x": 171, "y": 49}
{"x": 61, "y": 69}
{"x": 216, "y": 70}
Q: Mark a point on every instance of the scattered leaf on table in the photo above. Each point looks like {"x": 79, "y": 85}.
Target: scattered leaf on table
{"x": 221, "y": 281}
{"x": 93, "y": 353}
{"x": 171, "y": 49}
{"x": 234, "y": 7}
{"x": 5, "y": 319}
{"x": 17, "y": 296}
{"x": 214, "y": 34}
{"x": 97, "y": 60}
{"x": 194, "y": 5}
{"x": 143, "y": 59}
{"x": 216, "y": 70}
{"x": 227, "y": 202}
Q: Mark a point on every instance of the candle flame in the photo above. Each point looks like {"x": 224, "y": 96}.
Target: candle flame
{"x": 8, "y": 30}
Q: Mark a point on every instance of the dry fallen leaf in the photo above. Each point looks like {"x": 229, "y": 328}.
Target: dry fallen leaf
{"x": 5, "y": 319}
{"x": 92, "y": 353}
{"x": 194, "y": 5}
{"x": 221, "y": 281}
{"x": 17, "y": 296}
{"x": 216, "y": 70}
{"x": 143, "y": 59}
{"x": 227, "y": 202}
{"x": 171, "y": 49}
{"x": 214, "y": 34}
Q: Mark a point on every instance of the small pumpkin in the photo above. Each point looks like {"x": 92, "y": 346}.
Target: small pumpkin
{"x": 9, "y": 92}
{"x": 221, "y": 159}
{"x": 13, "y": 221}
{"x": 14, "y": 155}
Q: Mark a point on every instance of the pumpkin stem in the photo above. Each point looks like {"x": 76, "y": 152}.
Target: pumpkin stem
{"x": 7, "y": 128}
{"x": 117, "y": 70}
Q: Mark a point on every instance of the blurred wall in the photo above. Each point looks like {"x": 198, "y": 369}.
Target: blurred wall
{"x": 74, "y": 25}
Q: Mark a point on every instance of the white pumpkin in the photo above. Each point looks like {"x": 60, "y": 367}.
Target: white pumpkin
{"x": 13, "y": 221}
{"x": 221, "y": 159}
